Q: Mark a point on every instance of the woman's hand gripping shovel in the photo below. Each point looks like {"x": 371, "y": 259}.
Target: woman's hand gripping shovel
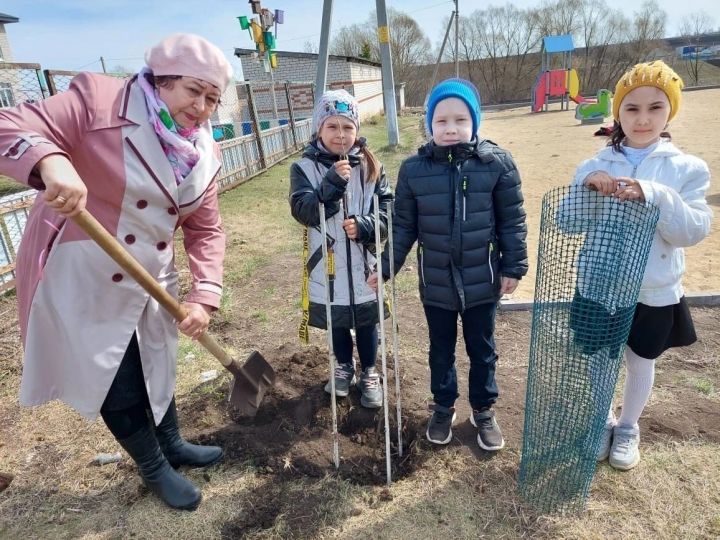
{"x": 251, "y": 379}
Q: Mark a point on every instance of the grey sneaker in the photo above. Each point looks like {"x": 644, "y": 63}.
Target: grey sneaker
{"x": 489, "y": 435}
{"x": 625, "y": 454}
{"x": 371, "y": 394}
{"x": 344, "y": 378}
{"x": 439, "y": 430}
{"x": 605, "y": 441}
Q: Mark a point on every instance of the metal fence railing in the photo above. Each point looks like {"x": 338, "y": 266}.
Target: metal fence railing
{"x": 256, "y": 126}
{"x": 14, "y": 211}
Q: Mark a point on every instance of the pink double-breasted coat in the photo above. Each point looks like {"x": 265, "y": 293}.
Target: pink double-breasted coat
{"x": 78, "y": 309}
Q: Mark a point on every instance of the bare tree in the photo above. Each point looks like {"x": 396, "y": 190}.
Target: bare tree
{"x": 409, "y": 45}
{"x": 310, "y": 47}
{"x": 350, "y": 40}
{"x": 497, "y": 44}
{"x": 692, "y": 27}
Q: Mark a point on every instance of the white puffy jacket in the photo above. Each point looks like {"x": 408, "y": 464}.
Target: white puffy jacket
{"x": 676, "y": 183}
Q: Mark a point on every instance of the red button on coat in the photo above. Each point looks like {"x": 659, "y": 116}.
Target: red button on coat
{"x": 130, "y": 239}
{"x": 161, "y": 245}
{"x": 142, "y": 203}
{"x": 117, "y": 277}
{"x": 172, "y": 211}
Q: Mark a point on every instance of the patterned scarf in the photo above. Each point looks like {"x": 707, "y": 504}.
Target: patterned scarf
{"x": 177, "y": 142}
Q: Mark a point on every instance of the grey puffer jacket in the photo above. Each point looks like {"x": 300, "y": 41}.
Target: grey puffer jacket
{"x": 313, "y": 180}
{"x": 464, "y": 206}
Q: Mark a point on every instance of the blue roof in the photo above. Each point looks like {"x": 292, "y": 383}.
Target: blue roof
{"x": 558, "y": 44}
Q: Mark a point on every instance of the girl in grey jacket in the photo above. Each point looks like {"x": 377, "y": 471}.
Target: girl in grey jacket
{"x": 339, "y": 170}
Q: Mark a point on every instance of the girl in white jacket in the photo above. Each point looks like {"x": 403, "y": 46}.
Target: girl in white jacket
{"x": 640, "y": 163}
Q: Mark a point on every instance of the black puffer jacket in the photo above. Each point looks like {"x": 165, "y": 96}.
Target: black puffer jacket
{"x": 464, "y": 206}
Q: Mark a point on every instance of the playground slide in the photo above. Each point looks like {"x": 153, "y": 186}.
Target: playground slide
{"x": 573, "y": 84}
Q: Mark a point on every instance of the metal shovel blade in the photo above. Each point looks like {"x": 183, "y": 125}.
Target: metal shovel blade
{"x": 251, "y": 382}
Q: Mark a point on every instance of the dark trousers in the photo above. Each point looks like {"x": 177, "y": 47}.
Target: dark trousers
{"x": 366, "y": 340}
{"x": 478, "y": 324}
{"x": 125, "y": 407}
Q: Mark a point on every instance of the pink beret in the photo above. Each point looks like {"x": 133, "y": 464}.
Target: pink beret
{"x": 190, "y": 56}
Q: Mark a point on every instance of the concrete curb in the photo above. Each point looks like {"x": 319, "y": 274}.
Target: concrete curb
{"x": 693, "y": 299}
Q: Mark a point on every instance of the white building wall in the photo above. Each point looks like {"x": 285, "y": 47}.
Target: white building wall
{"x": 5, "y": 50}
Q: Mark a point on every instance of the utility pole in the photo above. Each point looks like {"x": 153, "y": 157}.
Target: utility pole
{"x": 457, "y": 40}
{"x": 388, "y": 82}
{"x": 442, "y": 49}
{"x": 322, "y": 61}
{"x": 102, "y": 62}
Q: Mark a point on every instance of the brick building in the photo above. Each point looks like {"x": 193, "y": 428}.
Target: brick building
{"x": 362, "y": 78}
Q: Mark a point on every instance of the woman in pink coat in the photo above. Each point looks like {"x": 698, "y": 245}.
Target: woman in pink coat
{"x": 140, "y": 156}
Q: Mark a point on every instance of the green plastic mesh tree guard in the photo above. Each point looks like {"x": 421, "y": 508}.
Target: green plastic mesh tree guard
{"x": 592, "y": 255}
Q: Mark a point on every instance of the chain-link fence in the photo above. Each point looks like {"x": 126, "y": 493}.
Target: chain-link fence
{"x": 59, "y": 81}
{"x": 21, "y": 83}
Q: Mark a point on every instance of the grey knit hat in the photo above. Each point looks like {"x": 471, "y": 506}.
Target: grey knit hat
{"x": 335, "y": 103}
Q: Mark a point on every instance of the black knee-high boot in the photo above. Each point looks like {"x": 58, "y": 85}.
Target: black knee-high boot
{"x": 177, "y": 450}
{"x": 132, "y": 429}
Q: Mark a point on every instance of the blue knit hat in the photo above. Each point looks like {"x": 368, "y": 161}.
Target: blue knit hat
{"x": 457, "y": 88}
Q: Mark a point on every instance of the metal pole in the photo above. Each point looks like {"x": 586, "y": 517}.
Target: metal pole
{"x": 272, "y": 91}
{"x": 256, "y": 125}
{"x": 291, "y": 115}
{"x": 381, "y": 316}
{"x": 393, "y": 321}
{"x": 331, "y": 351}
{"x": 102, "y": 61}
{"x": 442, "y": 49}
{"x": 322, "y": 61}
{"x": 457, "y": 40}
{"x": 387, "y": 74}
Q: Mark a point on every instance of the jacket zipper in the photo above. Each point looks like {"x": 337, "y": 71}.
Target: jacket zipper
{"x": 464, "y": 190}
{"x": 490, "y": 251}
{"x": 422, "y": 265}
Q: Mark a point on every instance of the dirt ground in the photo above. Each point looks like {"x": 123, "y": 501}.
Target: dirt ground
{"x": 290, "y": 440}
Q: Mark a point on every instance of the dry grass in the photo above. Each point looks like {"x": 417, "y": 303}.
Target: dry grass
{"x": 56, "y": 494}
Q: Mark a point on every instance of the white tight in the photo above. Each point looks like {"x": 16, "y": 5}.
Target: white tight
{"x": 639, "y": 378}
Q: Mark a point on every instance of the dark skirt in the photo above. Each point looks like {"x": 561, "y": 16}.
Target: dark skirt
{"x": 653, "y": 330}
{"x": 657, "y": 329}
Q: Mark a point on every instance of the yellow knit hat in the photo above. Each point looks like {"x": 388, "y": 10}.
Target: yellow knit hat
{"x": 656, "y": 73}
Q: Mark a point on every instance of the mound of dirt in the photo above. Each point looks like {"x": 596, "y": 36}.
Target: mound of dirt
{"x": 291, "y": 435}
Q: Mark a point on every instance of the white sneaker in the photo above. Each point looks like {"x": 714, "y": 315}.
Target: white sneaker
{"x": 625, "y": 454}
{"x": 605, "y": 441}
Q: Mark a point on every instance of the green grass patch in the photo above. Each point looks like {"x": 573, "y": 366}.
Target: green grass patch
{"x": 704, "y": 386}
{"x": 9, "y": 186}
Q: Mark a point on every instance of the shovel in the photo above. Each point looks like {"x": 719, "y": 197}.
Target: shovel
{"x": 252, "y": 379}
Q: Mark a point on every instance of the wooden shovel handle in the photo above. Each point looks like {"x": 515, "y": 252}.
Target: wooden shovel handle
{"x": 87, "y": 222}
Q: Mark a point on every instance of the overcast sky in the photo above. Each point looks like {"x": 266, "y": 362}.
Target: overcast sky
{"x": 74, "y": 34}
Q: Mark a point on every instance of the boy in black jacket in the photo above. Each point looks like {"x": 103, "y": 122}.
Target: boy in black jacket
{"x": 460, "y": 199}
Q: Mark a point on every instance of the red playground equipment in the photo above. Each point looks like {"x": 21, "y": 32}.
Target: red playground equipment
{"x": 561, "y": 82}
